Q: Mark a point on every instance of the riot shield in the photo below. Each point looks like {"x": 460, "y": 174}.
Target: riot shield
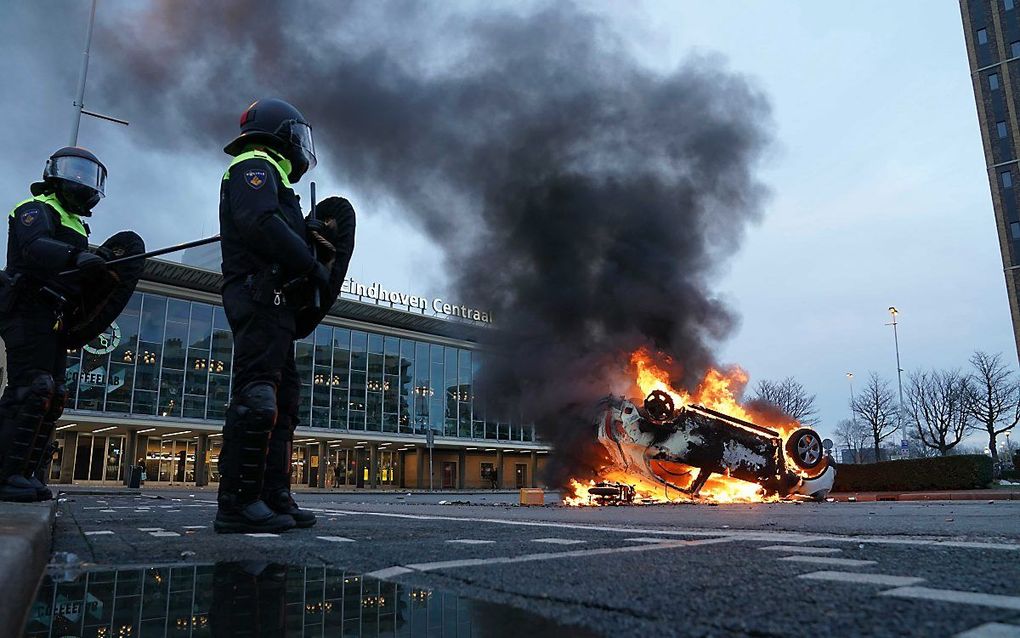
{"x": 105, "y": 298}
{"x": 338, "y": 215}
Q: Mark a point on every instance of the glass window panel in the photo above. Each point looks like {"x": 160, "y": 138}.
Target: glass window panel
{"x": 92, "y": 382}
{"x": 1000, "y": 128}
{"x": 153, "y": 318}
{"x": 118, "y": 388}
{"x": 375, "y": 343}
{"x": 144, "y": 402}
{"x": 437, "y": 388}
{"x": 197, "y": 373}
{"x": 1014, "y": 49}
{"x": 1014, "y": 230}
{"x": 219, "y": 396}
{"x": 359, "y": 345}
{"x": 338, "y": 410}
{"x": 178, "y": 310}
{"x": 222, "y": 351}
{"x": 405, "y": 408}
{"x": 305, "y": 405}
{"x": 1007, "y": 179}
{"x": 200, "y": 333}
{"x": 170, "y": 393}
{"x": 993, "y": 81}
{"x": 374, "y": 411}
{"x": 982, "y": 36}
{"x": 1007, "y": 4}
{"x": 194, "y": 407}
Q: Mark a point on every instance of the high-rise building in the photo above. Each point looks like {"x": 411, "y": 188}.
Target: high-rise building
{"x": 992, "y": 31}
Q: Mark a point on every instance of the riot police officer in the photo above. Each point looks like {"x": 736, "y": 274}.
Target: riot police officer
{"x": 269, "y": 272}
{"x": 47, "y": 235}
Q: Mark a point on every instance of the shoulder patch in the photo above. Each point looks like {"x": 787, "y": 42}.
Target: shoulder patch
{"x": 255, "y": 177}
{"x": 30, "y": 216}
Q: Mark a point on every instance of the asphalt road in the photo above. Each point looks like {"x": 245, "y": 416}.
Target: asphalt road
{"x": 840, "y": 569}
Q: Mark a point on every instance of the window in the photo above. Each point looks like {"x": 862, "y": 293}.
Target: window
{"x": 1014, "y": 49}
{"x": 982, "y": 36}
{"x": 1014, "y": 230}
{"x": 1007, "y": 179}
{"x": 1001, "y": 128}
{"x": 993, "y": 81}
{"x": 1007, "y": 4}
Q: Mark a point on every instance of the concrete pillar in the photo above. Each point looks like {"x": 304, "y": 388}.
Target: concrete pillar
{"x": 67, "y": 460}
{"x": 419, "y": 452}
{"x": 499, "y": 469}
{"x": 323, "y": 464}
{"x": 373, "y": 465}
{"x": 128, "y": 455}
{"x": 461, "y": 464}
{"x": 401, "y": 459}
{"x": 534, "y": 469}
{"x": 201, "y": 466}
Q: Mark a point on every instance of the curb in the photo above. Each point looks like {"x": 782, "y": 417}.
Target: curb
{"x": 872, "y": 497}
{"x": 26, "y": 531}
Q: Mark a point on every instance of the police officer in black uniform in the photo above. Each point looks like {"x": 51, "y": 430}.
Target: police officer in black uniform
{"x": 46, "y": 236}
{"x": 269, "y": 272}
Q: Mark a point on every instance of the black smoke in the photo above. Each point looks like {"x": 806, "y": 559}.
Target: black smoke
{"x": 583, "y": 198}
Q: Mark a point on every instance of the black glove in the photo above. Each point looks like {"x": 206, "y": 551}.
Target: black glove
{"x": 316, "y": 226}
{"x": 89, "y": 262}
{"x": 318, "y": 276}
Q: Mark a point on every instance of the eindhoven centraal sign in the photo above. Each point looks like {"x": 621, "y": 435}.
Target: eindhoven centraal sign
{"x": 414, "y": 302}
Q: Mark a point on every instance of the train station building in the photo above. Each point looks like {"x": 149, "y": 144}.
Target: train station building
{"x": 377, "y": 375}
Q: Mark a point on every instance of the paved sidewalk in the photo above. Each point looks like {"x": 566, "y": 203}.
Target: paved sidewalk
{"x": 959, "y": 495}
{"x": 26, "y": 532}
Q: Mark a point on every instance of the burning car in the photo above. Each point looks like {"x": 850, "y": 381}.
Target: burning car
{"x": 667, "y": 445}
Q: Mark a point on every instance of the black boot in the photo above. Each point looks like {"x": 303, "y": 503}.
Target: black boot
{"x": 20, "y": 425}
{"x": 242, "y": 463}
{"x": 38, "y": 461}
{"x": 276, "y": 492}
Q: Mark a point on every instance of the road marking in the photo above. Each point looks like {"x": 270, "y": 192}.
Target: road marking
{"x": 558, "y": 541}
{"x": 740, "y": 535}
{"x": 389, "y": 572}
{"x": 263, "y": 535}
{"x": 194, "y": 527}
{"x": 163, "y": 534}
{"x": 831, "y": 562}
{"x": 646, "y": 539}
{"x": 150, "y": 529}
{"x": 101, "y": 532}
{"x": 954, "y": 596}
{"x": 335, "y": 539}
{"x": 108, "y": 511}
{"x": 800, "y": 549}
{"x": 577, "y": 553}
{"x": 992, "y": 630}
{"x": 470, "y": 541}
{"x": 863, "y": 579}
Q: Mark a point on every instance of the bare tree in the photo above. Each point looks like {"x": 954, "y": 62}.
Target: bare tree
{"x": 876, "y": 407}
{"x": 789, "y": 396}
{"x": 915, "y": 444}
{"x": 853, "y": 435}
{"x": 937, "y": 403}
{"x": 994, "y": 400}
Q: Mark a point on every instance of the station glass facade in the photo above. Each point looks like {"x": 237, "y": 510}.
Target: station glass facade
{"x": 171, "y": 358}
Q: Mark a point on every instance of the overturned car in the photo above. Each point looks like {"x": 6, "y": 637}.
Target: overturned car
{"x": 667, "y": 445}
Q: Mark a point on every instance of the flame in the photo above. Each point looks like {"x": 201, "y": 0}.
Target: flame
{"x": 718, "y": 390}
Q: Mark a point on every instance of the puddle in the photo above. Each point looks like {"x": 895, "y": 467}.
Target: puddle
{"x": 264, "y": 600}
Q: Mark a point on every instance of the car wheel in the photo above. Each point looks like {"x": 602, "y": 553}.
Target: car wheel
{"x": 659, "y": 406}
{"x": 805, "y": 448}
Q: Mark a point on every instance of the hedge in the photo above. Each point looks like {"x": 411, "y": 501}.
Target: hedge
{"x": 967, "y": 471}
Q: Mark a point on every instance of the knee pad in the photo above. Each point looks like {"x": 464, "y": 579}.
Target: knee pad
{"x": 57, "y": 403}
{"x": 39, "y": 391}
{"x": 257, "y": 406}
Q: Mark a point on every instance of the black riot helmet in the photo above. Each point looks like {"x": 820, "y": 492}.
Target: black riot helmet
{"x": 77, "y": 177}
{"x": 281, "y": 127}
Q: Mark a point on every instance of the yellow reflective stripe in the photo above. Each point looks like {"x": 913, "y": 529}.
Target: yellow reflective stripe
{"x": 70, "y": 220}
{"x": 247, "y": 155}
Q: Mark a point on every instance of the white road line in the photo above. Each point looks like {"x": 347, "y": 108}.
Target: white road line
{"x": 389, "y": 572}
{"x": 150, "y": 529}
{"x": 163, "y": 534}
{"x": 992, "y": 630}
{"x": 831, "y": 562}
{"x": 469, "y": 541}
{"x": 863, "y": 579}
{"x": 101, "y": 532}
{"x": 263, "y": 535}
{"x": 335, "y": 539}
{"x": 558, "y": 541}
{"x": 646, "y": 539}
{"x": 800, "y": 549}
{"x": 577, "y": 553}
{"x": 954, "y": 596}
{"x": 194, "y": 526}
{"x": 108, "y": 511}
{"x": 741, "y": 535}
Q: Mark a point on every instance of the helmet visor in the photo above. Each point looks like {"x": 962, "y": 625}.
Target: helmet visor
{"x": 79, "y": 170}
{"x": 299, "y": 135}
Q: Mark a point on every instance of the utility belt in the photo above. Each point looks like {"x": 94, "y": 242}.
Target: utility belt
{"x": 16, "y": 289}
{"x": 268, "y": 286}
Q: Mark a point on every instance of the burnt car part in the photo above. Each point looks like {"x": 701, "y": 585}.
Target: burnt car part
{"x": 612, "y": 493}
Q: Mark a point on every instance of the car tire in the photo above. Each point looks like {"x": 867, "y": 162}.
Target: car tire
{"x": 804, "y": 447}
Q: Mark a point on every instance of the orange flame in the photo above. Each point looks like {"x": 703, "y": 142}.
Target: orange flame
{"x": 719, "y": 390}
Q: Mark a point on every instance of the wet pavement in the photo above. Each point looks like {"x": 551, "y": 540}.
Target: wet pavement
{"x": 933, "y": 569}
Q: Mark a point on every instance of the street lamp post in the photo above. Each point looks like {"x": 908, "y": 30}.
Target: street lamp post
{"x": 899, "y": 369}
{"x": 79, "y": 102}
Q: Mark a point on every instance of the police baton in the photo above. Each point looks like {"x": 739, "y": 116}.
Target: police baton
{"x": 316, "y": 295}
{"x": 154, "y": 253}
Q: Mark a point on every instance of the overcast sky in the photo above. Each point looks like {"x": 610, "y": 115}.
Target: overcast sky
{"x": 879, "y": 192}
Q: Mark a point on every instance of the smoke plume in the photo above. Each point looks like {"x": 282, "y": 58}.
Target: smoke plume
{"x": 584, "y": 199}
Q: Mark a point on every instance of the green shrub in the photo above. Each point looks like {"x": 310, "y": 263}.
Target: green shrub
{"x": 967, "y": 471}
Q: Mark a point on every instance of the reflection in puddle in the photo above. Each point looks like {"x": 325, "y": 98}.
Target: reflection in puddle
{"x": 262, "y": 600}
